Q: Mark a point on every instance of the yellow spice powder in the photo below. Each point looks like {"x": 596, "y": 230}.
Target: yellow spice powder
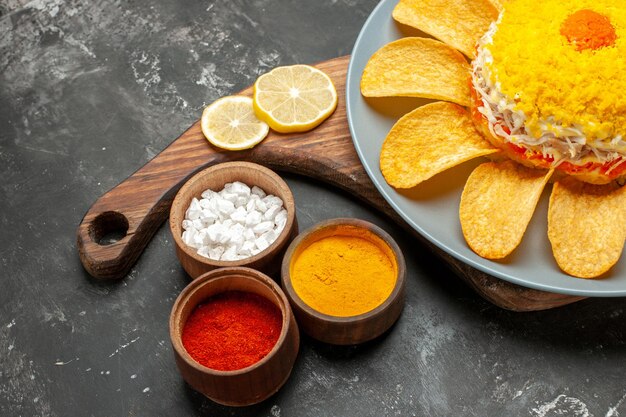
{"x": 344, "y": 275}
{"x": 552, "y": 77}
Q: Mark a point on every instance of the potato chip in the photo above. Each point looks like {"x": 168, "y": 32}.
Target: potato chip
{"x": 429, "y": 140}
{"x": 586, "y": 226}
{"x": 417, "y": 67}
{"x": 497, "y": 203}
{"x": 459, "y": 23}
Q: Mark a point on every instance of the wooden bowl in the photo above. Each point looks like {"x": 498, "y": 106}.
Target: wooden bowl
{"x": 243, "y": 386}
{"x": 214, "y": 178}
{"x": 353, "y": 329}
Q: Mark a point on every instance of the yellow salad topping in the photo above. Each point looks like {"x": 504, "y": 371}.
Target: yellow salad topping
{"x": 563, "y": 64}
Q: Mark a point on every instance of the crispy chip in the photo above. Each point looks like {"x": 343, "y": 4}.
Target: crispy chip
{"x": 417, "y": 67}
{"x": 459, "y": 23}
{"x": 497, "y": 204}
{"x": 427, "y": 141}
{"x": 586, "y": 226}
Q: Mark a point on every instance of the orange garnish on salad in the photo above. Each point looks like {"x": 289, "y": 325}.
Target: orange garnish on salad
{"x": 586, "y": 29}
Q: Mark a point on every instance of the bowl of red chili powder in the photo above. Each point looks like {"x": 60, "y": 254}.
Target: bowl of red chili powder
{"x": 234, "y": 336}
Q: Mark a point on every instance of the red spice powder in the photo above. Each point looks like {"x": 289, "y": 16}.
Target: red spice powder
{"x": 232, "y": 330}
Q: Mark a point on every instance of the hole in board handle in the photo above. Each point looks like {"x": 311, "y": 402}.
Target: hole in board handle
{"x": 108, "y": 227}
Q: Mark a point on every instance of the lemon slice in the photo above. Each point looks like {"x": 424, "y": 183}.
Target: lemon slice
{"x": 294, "y": 98}
{"x": 230, "y": 123}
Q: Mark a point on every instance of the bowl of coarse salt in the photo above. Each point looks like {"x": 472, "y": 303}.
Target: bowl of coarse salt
{"x": 233, "y": 214}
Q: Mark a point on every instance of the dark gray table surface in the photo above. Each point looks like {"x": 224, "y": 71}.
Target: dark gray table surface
{"x": 89, "y": 92}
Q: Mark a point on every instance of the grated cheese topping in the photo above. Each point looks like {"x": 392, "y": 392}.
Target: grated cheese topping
{"x": 540, "y": 92}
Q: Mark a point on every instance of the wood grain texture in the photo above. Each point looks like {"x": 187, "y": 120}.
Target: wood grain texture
{"x": 326, "y": 153}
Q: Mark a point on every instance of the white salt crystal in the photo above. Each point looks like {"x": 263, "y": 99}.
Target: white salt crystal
{"x": 239, "y": 188}
{"x": 222, "y": 234}
{"x": 261, "y": 243}
{"x": 269, "y": 236}
{"x": 207, "y": 221}
{"x": 208, "y": 215}
{"x": 281, "y": 216}
{"x": 250, "y": 205}
{"x": 239, "y": 215}
{"x": 213, "y": 231}
{"x": 261, "y": 206}
{"x": 271, "y": 212}
{"x": 208, "y": 194}
{"x": 216, "y": 252}
{"x": 230, "y": 254}
{"x": 204, "y": 251}
{"x": 248, "y": 234}
{"x": 188, "y": 237}
{"x": 195, "y": 204}
{"x": 253, "y": 218}
{"x": 280, "y": 225}
{"x": 197, "y": 224}
{"x": 258, "y": 191}
{"x": 237, "y": 229}
{"x": 212, "y": 205}
{"x": 187, "y": 224}
{"x": 224, "y": 237}
{"x": 237, "y": 241}
{"x": 229, "y": 196}
{"x": 236, "y": 235}
{"x": 225, "y": 207}
{"x": 193, "y": 212}
{"x": 246, "y": 248}
{"x": 263, "y": 227}
{"x": 199, "y": 238}
{"x": 241, "y": 201}
{"x": 272, "y": 200}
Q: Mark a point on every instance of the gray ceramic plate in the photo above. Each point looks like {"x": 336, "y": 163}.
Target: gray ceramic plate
{"x": 432, "y": 207}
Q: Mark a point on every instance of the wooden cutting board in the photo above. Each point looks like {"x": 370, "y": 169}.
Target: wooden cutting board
{"x": 138, "y": 206}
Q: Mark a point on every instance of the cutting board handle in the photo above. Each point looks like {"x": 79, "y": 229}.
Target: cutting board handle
{"x": 119, "y": 225}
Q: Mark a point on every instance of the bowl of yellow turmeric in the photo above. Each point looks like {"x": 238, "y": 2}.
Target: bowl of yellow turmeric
{"x": 345, "y": 280}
